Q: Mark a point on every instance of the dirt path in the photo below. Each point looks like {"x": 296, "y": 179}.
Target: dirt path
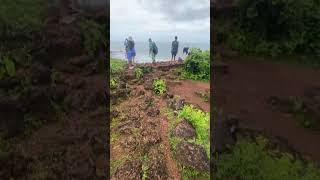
{"x": 244, "y": 90}
{"x": 173, "y": 171}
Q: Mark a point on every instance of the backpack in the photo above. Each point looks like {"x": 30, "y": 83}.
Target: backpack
{"x": 155, "y": 48}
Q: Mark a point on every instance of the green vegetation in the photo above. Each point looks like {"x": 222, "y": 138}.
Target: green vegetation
{"x": 145, "y": 160}
{"x": 195, "y": 115}
{"x": 7, "y": 67}
{"x": 92, "y": 36}
{"x": 20, "y": 20}
{"x": 31, "y": 123}
{"x": 197, "y": 65}
{"x": 159, "y": 86}
{"x": 274, "y": 28}
{"x": 253, "y": 160}
{"x": 201, "y": 122}
{"x": 115, "y": 164}
{"x": 189, "y": 173}
{"x": 113, "y": 84}
{"x": 4, "y": 147}
{"x": 20, "y": 17}
{"x": 138, "y": 72}
{"x": 116, "y": 65}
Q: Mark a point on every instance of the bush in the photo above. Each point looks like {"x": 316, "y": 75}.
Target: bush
{"x": 252, "y": 160}
{"x": 20, "y": 17}
{"x": 138, "y": 72}
{"x": 201, "y": 122}
{"x": 20, "y": 20}
{"x": 197, "y": 65}
{"x": 277, "y": 27}
{"x": 93, "y": 36}
{"x": 159, "y": 86}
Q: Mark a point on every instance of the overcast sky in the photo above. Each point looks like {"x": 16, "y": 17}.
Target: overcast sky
{"x": 160, "y": 19}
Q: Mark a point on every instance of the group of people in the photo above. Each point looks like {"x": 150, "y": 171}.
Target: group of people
{"x": 153, "y": 50}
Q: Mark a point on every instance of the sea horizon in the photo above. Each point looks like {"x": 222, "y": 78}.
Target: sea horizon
{"x": 117, "y": 50}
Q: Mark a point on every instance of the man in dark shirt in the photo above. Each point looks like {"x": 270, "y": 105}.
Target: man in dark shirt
{"x": 185, "y": 50}
{"x": 174, "y": 48}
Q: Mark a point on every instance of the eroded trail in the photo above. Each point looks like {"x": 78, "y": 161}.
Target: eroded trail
{"x": 140, "y": 145}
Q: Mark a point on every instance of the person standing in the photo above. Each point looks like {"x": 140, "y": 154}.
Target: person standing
{"x": 131, "y": 51}
{"x": 153, "y": 50}
{"x": 174, "y": 48}
{"x": 126, "y": 47}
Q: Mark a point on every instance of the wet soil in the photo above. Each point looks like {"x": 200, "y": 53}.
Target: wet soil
{"x": 244, "y": 91}
{"x": 189, "y": 90}
{"x": 148, "y": 131}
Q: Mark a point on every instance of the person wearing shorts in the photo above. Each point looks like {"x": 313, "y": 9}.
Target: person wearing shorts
{"x": 131, "y": 51}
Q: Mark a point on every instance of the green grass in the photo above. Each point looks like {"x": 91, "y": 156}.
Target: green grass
{"x": 145, "y": 161}
{"x": 201, "y": 122}
{"x": 116, "y": 65}
{"x": 188, "y": 173}
{"x": 251, "y": 160}
{"x": 114, "y": 137}
{"x": 115, "y": 164}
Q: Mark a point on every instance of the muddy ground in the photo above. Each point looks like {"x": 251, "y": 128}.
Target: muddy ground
{"x": 268, "y": 98}
{"x": 139, "y": 144}
{"x": 65, "y": 94}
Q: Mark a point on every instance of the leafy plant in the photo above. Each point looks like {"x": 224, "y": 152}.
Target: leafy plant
{"x": 7, "y": 67}
{"x": 253, "y": 160}
{"x": 201, "y": 122}
{"x": 113, "y": 84}
{"x": 159, "y": 86}
{"x": 138, "y": 72}
{"x": 92, "y": 36}
{"x": 197, "y": 65}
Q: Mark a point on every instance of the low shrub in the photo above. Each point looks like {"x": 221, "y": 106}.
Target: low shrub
{"x": 276, "y": 27}
{"x": 138, "y": 72}
{"x": 253, "y": 160}
{"x": 159, "y": 86}
{"x": 201, "y": 122}
{"x": 197, "y": 65}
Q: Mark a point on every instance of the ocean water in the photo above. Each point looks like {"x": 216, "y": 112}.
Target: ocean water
{"x": 117, "y": 50}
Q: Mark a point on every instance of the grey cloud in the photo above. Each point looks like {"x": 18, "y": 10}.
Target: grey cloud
{"x": 178, "y": 10}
